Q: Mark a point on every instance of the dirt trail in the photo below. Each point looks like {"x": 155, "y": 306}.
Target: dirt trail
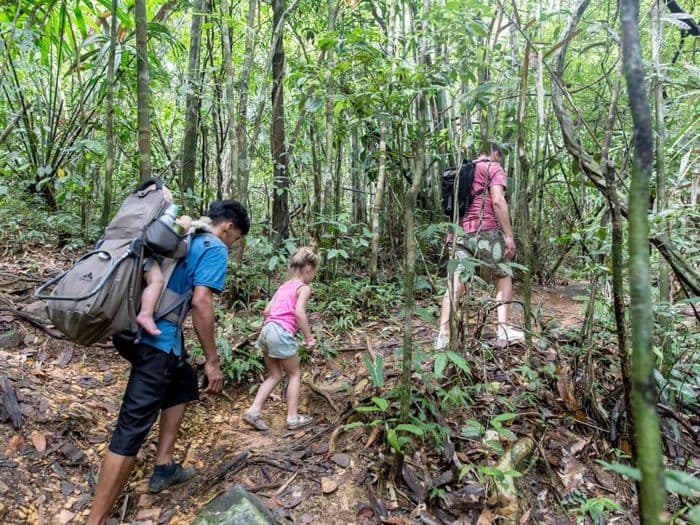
{"x": 69, "y": 398}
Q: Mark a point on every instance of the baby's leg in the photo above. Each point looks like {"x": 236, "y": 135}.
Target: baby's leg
{"x": 149, "y": 298}
{"x": 291, "y": 368}
{"x": 273, "y": 366}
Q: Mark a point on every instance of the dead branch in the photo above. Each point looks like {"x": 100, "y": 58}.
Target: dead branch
{"x": 35, "y": 321}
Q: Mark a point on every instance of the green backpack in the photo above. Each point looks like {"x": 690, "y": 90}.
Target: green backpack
{"x": 99, "y": 296}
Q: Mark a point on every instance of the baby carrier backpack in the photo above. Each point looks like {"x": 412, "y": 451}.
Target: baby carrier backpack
{"x": 99, "y": 295}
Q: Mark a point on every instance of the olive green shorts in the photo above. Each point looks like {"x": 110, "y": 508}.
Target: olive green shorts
{"x": 488, "y": 246}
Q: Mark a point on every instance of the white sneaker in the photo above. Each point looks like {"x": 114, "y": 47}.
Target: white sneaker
{"x": 509, "y": 334}
{"x": 442, "y": 341}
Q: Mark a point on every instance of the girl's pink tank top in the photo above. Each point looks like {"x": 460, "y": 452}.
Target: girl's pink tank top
{"x": 283, "y": 306}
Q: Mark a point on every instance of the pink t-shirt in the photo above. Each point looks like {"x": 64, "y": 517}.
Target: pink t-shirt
{"x": 283, "y": 306}
{"x": 486, "y": 173}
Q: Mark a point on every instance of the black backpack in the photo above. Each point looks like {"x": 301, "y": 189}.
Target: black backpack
{"x": 460, "y": 180}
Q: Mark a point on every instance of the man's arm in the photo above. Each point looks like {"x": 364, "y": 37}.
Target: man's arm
{"x": 203, "y": 321}
{"x": 500, "y": 209}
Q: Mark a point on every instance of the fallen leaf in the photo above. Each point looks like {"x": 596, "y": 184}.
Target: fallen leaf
{"x": 148, "y": 514}
{"x": 572, "y": 476}
{"x": 65, "y": 516}
{"x": 307, "y": 517}
{"x": 485, "y": 518}
{"x": 71, "y": 452}
{"x": 342, "y": 460}
{"x": 579, "y": 446}
{"x": 16, "y": 443}
{"x": 328, "y": 485}
{"x": 39, "y": 441}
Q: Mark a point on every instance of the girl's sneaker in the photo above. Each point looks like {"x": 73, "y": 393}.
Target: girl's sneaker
{"x": 298, "y": 422}
{"x": 255, "y": 420}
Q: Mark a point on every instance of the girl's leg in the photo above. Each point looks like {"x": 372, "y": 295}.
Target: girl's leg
{"x": 291, "y": 368}
{"x": 273, "y": 366}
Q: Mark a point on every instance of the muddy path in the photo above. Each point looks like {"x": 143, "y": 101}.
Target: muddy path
{"x": 327, "y": 473}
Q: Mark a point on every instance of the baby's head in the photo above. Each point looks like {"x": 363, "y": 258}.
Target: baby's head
{"x": 304, "y": 262}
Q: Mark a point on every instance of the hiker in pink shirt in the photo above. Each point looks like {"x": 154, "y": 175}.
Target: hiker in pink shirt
{"x": 489, "y": 238}
{"x": 284, "y": 316}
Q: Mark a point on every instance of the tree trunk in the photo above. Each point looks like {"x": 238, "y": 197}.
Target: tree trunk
{"x": 109, "y": 121}
{"x": 280, "y": 196}
{"x": 523, "y": 204}
{"x": 328, "y": 172}
{"x": 192, "y": 103}
{"x": 377, "y": 205}
{"x": 234, "y": 182}
{"x": 243, "y": 88}
{"x": 142, "y": 96}
{"x": 652, "y": 495}
{"x": 661, "y": 198}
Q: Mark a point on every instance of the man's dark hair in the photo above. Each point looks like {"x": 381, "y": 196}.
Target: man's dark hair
{"x": 229, "y": 210}
{"x": 492, "y": 146}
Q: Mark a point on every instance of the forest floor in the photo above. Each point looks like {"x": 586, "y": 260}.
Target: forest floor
{"x": 69, "y": 398}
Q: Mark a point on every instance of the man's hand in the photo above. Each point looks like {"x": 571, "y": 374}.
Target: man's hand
{"x": 214, "y": 376}
{"x": 510, "y": 246}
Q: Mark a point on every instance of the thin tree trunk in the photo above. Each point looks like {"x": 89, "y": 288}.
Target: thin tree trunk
{"x": 377, "y": 205}
{"x": 243, "y": 88}
{"x": 661, "y": 198}
{"x": 192, "y": 103}
{"x": 109, "y": 120}
{"x": 523, "y": 204}
{"x": 418, "y": 169}
{"x": 652, "y": 495}
{"x": 616, "y": 256}
{"x": 329, "y": 130}
{"x": 142, "y": 81}
{"x": 280, "y": 197}
{"x": 234, "y": 182}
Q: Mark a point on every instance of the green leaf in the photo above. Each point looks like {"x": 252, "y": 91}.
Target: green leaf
{"x": 381, "y": 403}
{"x": 375, "y": 369}
{"x": 459, "y": 361}
{"x": 393, "y": 439}
{"x": 439, "y": 364}
{"x": 504, "y": 417}
{"x": 413, "y": 429}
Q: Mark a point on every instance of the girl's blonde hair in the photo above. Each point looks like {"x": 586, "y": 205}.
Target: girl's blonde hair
{"x": 306, "y": 255}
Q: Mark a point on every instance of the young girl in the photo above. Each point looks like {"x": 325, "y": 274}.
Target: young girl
{"x": 284, "y": 316}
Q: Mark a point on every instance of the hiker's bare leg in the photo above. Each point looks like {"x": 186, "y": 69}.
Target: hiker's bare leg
{"x": 272, "y": 380}
{"x": 504, "y": 294}
{"x": 114, "y": 472}
{"x": 170, "y": 420}
{"x": 149, "y": 298}
{"x": 291, "y": 368}
{"x": 455, "y": 290}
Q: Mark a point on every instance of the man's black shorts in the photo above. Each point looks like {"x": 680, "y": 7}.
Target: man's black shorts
{"x": 158, "y": 380}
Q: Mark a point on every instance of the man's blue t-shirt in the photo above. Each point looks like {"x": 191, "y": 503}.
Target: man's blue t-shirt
{"x": 205, "y": 265}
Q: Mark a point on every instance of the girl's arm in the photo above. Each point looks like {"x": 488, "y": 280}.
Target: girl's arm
{"x": 303, "y": 294}
{"x": 266, "y": 311}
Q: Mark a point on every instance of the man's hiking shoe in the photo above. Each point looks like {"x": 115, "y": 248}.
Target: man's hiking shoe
{"x": 298, "y": 422}
{"x": 506, "y": 335}
{"x": 255, "y": 420}
{"x": 165, "y": 476}
{"x": 442, "y": 341}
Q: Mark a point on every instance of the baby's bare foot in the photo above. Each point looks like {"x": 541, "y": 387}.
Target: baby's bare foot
{"x": 148, "y": 324}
